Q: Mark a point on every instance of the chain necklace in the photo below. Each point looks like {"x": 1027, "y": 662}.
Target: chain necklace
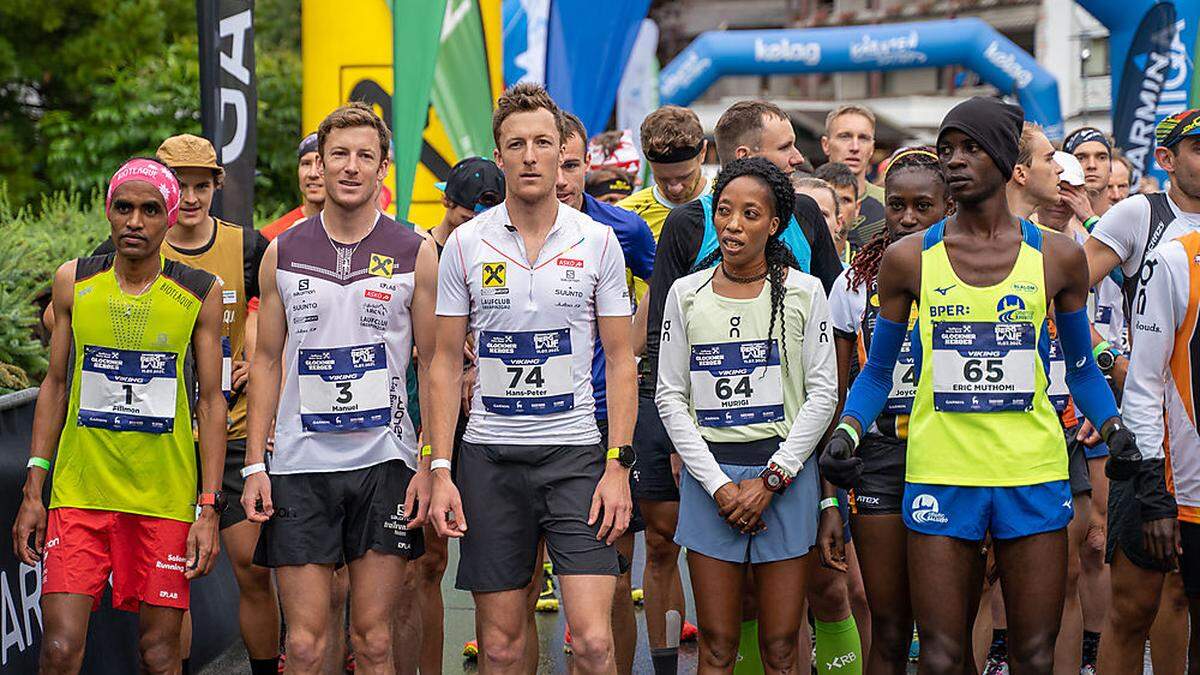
{"x": 129, "y": 303}
{"x": 345, "y": 252}
{"x": 742, "y": 280}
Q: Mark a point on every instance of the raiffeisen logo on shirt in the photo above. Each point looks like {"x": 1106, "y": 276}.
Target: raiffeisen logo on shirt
{"x": 494, "y": 275}
{"x": 380, "y": 265}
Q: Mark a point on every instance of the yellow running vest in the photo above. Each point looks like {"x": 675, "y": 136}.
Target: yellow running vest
{"x": 981, "y": 415}
{"x": 126, "y": 443}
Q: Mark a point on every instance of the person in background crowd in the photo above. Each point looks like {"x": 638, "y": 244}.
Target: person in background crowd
{"x": 674, "y": 144}
{"x": 845, "y": 186}
{"x": 850, "y": 139}
{"x": 114, "y": 414}
{"x": 1118, "y": 179}
{"x": 609, "y": 185}
{"x": 616, "y": 150}
{"x": 828, "y": 201}
{"x": 312, "y": 186}
{"x": 1148, "y": 184}
{"x": 1094, "y": 151}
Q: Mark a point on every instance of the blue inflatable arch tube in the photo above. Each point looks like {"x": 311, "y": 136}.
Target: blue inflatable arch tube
{"x": 968, "y": 42}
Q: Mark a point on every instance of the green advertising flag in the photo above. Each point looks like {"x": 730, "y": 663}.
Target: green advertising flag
{"x": 462, "y": 93}
{"x": 416, "y": 32}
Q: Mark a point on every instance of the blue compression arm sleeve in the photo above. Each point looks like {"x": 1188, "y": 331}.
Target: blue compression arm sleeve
{"x": 873, "y": 384}
{"x": 1088, "y": 387}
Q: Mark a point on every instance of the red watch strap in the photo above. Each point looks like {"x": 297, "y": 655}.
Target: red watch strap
{"x": 207, "y": 499}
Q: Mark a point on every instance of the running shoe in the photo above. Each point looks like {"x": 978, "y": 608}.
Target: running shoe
{"x": 547, "y": 600}
{"x": 566, "y": 639}
{"x": 1087, "y": 669}
{"x": 914, "y": 647}
{"x": 639, "y": 596}
{"x": 996, "y": 666}
{"x": 351, "y": 664}
{"x": 470, "y": 650}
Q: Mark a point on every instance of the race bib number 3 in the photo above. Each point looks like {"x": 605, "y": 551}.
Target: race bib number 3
{"x": 736, "y": 383}
{"x": 127, "y": 390}
{"x": 344, "y": 388}
{"x": 983, "y": 367}
{"x": 526, "y": 373}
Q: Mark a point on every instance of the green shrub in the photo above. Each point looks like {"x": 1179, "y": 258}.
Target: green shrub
{"x": 34, "y": 241}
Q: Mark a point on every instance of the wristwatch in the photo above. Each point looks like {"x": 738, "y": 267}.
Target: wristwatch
{"x": 1106, "y": 357}
{"x": 624, "y": 455}
{"x": 216, "y": 500}
{"x": 776, "y": 478}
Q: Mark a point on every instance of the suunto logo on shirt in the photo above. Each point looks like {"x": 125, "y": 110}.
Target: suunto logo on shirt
{"x": 925, "y": 509}
{"x": 1011, "y": 309}
{"x": 493, "y": 275}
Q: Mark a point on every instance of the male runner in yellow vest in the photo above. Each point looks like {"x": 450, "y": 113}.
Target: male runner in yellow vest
{"x": 115, "y": 400}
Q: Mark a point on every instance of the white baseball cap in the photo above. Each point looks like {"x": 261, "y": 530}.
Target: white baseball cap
{"x": 1072, "y": 169}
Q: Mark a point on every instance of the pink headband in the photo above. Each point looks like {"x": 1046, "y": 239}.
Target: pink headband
{"x": 148, "y": 171}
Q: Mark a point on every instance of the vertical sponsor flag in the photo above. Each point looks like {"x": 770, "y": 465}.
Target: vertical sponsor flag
{"x": 525, "y": 23}
{"x": 462, "y": 89}
{"x": 587, "y": 46}
{"x": 637, "y": 95}
{"x": 416, "y": 33}
{"x": 229, "y": 100}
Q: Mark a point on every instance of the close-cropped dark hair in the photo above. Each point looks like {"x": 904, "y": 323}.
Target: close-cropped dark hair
{"x": 779, "y": 256}
{"x": 838, "y": 175}
{"x": 865, "y": 265}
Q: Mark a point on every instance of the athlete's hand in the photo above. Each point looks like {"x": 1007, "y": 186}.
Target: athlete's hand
{"x": 416, "y": 498}
{"x": 1087, "y": 434}
{"x": 256, "y": 498}
{"x": 202, "y": 544}
{"x": 1162, "y": 540}
{"x": 612, "y": 499}
{"x": 1119, "y": 370}
{"x": 831, "y": 540}
{"x": 445, "y": 506}
{"x": 752, "y": 499}
{"x": 1076, "y": 198}
{"x": 839, "y": 465}
{"x": 31, "y": 520}
{"x": 726, "y": 497}
{"x": 239, "y": 373}
{"x": 1123, "y": 455}
{"x": 676, "y": 467}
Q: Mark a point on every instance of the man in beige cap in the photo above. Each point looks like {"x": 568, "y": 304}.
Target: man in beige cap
{"x": 232, "y": 253}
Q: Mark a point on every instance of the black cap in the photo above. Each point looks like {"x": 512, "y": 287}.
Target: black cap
{"x": 307, "y": 144}
{"x": 471, "y": 181}
{"x": 993, "y": 124}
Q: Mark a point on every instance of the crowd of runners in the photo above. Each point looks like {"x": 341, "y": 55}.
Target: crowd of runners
{"x": 883, "y": 418}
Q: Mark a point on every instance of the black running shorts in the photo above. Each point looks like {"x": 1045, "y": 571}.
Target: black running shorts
{"x": 1189, "y": 563}
{"x": 881, "y": 487}
{"x": 636, "y": 522}
{"x": 1125, "y": 527}
{"x": 514, "y": 495}
{"x": 652, "y": 477}
{"x": 232, "y": 482}
{"x": 333, "y": 518}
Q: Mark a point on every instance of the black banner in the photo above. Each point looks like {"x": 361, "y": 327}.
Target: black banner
{"x": 112, "y": 642}
{"x": 229, "y": 100}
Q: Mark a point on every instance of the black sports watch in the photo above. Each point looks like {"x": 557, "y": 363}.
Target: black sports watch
{"x": 1106, "y": 360}
{"x": 624, "y": 455}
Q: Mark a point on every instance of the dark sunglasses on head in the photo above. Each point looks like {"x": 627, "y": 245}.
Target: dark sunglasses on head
{"x": 487, "y": 200}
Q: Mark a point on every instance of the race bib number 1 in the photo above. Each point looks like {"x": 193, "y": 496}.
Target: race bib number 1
{"x": 127, "y": 390}
{"x": 344, "y": 388}
{"x": 736, "y": 383}
{"x": 983, "y": 367}
{"x": 527, "y": 372}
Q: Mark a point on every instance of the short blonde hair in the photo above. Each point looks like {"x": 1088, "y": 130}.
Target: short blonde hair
{"x": 526, "y": 97}
{"x": 848, "y": 109}
{"x": 670, "y": 128}
{"x": 1029, "y": 132}
{"x": 801, "y": 183}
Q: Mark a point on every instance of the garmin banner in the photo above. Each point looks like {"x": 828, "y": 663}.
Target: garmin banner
{"x": 229, "y": 101}
{"x": 1152, "y": 47}
{"x": 968, "y": 42}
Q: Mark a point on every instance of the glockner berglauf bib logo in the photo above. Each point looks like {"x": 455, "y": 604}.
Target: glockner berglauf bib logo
{"x": 1011, "y": 309}
{"x": 925, "y": 509}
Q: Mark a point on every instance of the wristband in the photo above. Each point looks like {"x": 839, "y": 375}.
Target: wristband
{"x": 1104, "y": 346}
{"x": 439, "y": 464}
{"x": 828, "y": 502}
{"x": 1090, "y": 223}
{"x": 850, "y": 430}
{"x": 39, "y": 463}
{"x": 426, "y": 450}
{"x": 252, "y": 469}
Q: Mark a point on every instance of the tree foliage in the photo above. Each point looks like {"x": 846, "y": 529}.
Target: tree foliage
{"x": 85, "y": 84}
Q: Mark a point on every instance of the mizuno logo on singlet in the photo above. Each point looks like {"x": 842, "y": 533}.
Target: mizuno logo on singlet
{"x": 944, "y": 289}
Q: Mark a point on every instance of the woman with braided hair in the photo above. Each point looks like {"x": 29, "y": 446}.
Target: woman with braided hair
{"x": 915, "y": 198}
{"x": 746, "y": 389}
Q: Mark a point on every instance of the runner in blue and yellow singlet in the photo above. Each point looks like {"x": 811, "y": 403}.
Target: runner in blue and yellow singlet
{"x": 985, "y": 449}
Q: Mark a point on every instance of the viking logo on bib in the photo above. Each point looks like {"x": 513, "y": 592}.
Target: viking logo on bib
{"x": 526, "y": 372}
{"x": 127, "y": 390}
{"x": 344, "y": 388}
{"x": 737, "y": 383}
{"x": 979, "y": 366}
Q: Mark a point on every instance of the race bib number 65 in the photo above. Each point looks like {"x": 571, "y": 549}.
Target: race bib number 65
{"x": 980, "y": 366}
{"x": 127, "y": 390}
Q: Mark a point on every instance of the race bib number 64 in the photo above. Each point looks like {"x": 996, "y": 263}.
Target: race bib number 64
{"x": 736, "y": 383}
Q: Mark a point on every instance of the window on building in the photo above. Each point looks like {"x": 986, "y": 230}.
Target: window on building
{"x": 1093, "y": 57}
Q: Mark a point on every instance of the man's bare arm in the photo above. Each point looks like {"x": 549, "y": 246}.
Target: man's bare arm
{"x": 266, "y": 366}
{"x": 211, "y": 409}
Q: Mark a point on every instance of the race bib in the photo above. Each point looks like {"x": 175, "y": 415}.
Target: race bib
{"x": 127, "y": 390}
{"x": 1057, "y": 390}
{"x": 226, "y": 367}
{"x": 904, "y": 382}
{"x": 1104, "y": 314}
{"x": 736, "y": 383}
{"x": 527, "y": 372}
{"x": 981, "y": 367}
{"x": 344, "y": 388}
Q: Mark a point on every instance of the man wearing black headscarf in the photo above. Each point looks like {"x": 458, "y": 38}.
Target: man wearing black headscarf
{"x": 985, "y": 448}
